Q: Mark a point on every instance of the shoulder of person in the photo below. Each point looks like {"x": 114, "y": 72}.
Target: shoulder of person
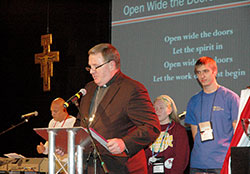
{"x": 228, "y": 92}
{"x": 179, "y": 126}
{"x": 51, "y": 122}
{"x": 72, "y": 117}
{"x": 130, "y": 83}
{"x": 196, "y": 96}
{"x": 180, "y": 130}
{"x": 71, "y": 120}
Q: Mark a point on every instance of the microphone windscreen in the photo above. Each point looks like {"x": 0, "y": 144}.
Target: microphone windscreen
{"x": 83, "y": 91}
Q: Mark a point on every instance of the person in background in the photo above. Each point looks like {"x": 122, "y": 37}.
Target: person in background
{"x": 212, "y": 114}
{"x": 119, "y": 109}
{"x": 61, "y": 118}
{"x": 170, "y": 152}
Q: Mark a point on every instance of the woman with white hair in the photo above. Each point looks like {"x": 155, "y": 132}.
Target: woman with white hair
{"x": 170, "y": 152}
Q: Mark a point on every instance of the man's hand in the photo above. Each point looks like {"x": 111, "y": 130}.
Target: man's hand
{"x": 40, "y": 148}
{"x": 116, "y": 145}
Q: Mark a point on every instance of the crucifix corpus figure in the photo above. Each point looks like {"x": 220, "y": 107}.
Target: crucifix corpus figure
{"x": 46, "y": 59}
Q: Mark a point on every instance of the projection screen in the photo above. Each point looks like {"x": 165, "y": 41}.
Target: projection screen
{"x": 160, "y": 41}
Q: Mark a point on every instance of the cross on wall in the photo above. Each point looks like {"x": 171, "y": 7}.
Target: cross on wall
{"x": 46, "y": 59}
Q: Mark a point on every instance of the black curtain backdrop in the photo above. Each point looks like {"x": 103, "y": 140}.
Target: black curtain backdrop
{"x": 76, "y": 26}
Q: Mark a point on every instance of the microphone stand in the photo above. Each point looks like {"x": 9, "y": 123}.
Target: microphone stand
{"x": 96, "y": 151}
{"x": 14, "y": 126}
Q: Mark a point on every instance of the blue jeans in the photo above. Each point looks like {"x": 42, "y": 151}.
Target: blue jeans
{"x": 204, "y": 171}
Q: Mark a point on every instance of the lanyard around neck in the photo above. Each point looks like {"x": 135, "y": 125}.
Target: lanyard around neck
{"x": 211, "y": 113}
{"x": 153, "y": 154}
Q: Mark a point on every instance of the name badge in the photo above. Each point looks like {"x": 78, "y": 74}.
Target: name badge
{"x": 157, "y": 164}
{"x": 206, "y": 131}
{"x": 158, "y": 168}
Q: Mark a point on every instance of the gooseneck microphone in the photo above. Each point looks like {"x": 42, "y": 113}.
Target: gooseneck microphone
{"x": 75, "y": 97}
{"x": 32, "y": 114}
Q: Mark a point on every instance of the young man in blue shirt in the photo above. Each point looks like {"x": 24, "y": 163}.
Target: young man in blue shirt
{"x": 212, "y": 114}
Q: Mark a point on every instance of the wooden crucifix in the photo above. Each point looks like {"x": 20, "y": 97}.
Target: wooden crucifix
{"x": 46, "y": 59}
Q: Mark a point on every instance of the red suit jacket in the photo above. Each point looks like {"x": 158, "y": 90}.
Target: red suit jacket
{"x": 125, "y": 112}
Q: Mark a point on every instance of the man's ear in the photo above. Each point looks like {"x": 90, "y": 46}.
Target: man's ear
{"x": 215, "y": 72}
{"x": 112, "y": 65}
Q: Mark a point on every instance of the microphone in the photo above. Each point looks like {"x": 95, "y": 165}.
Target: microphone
{"x": 182, "y": 114}
{"x": 30, "y": 115}
{"x": 75, "y": 97}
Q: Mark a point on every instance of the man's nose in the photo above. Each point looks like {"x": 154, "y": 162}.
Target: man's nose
{"x": 202, "y": 74}
{"x": 91, "y": 71}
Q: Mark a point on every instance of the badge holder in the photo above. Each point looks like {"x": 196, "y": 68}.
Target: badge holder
{"x": 206, "y": 131}
{"x": 158, "y": 165}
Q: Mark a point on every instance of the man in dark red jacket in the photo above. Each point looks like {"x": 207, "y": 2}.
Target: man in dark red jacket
{"x": 118, "y": 108}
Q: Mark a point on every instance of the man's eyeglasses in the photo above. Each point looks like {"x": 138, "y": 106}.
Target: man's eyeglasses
{"x": 88, "y": 68}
